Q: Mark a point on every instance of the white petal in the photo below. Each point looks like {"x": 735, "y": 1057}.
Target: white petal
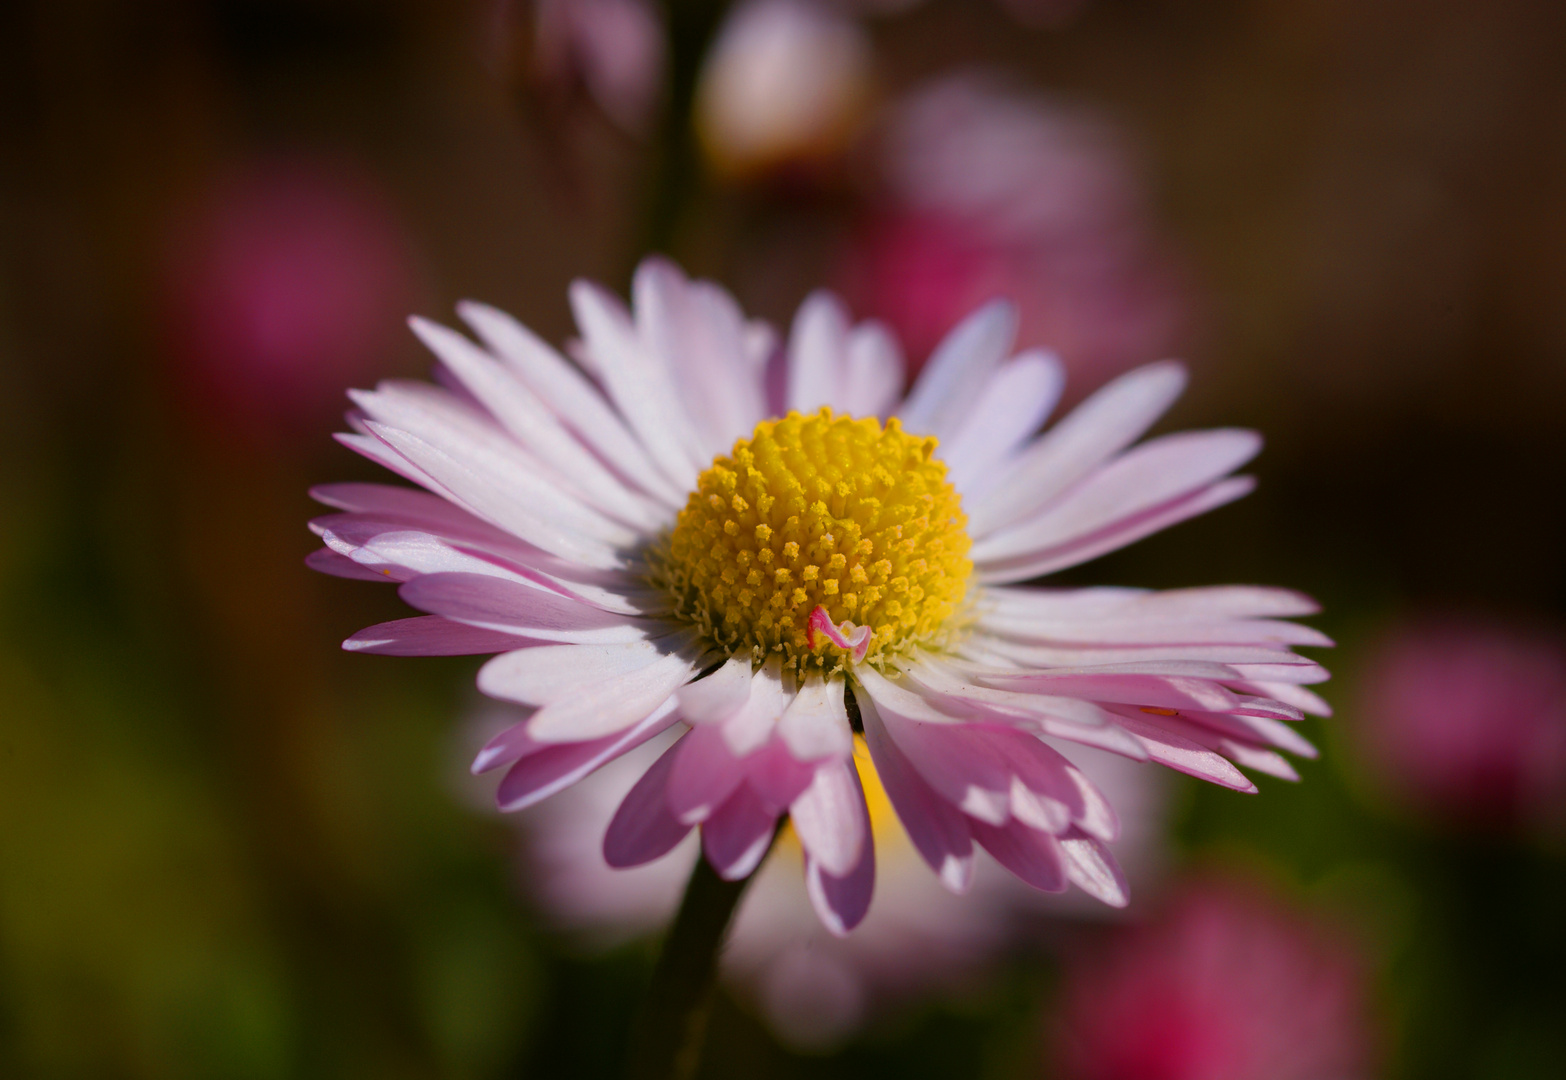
{"x": 719, "y": 696}
{"x": 1015, "y": 402}
{"x": 957, "y": 370}
{"x": 875, "y": 371}
{"x": 750, "y": 728}
{"x": 1113, "y": 539}
{"x": 699, "y": 333}
{"x": 534, "y": 425}
{"x": 550, "y": 673}
{"x": 639, "y": 386}
{"x": 1139, "y": 481}
{"x": 1110, "y": 420}
{"x": 512, "y": 500}
{"x": 815, "y": 724}
{"x": 817, "y": 355}
{"x": 830, "y": 818}
{"x": 573, "y": 398}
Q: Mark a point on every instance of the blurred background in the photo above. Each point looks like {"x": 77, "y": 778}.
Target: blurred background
{"x": 228, "y": 849}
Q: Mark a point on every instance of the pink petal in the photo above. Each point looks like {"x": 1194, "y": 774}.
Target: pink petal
{"x": 1112, "y": 419}
{"x": 493, "y": 603}
{"x": 738, "y": 834}
{"x": 1116, "y": 536}
{"x": 1017, "y": 398}
{"x": 430, "y": 635}
{"x": 637, "y": 385}
{"x": 512, "y": 497}
{"x": 831, "y": 819}
{"x": 531, "y": 423}
{"x": 1186, "y": 755}
{"x": 815, "y": 724}
{"x": 842, "y": 901}
{"x": 328, "y": 561}
{"x": 549, "y": 673}
{"x": 1033, "y": 856}
{"x": 817, "y": 358}
{"x": 874, "y": 379}
{"x": 1091, "y": 868}
{"x": 553, "y": 767}
{"x": 937, "y": 828}
{"x": 642, "y": 829}
{"x": 965, "y": 770}
{"x": 705, "y": 774}
{"x": 572, "y": 397}
{"x": 1139, "y": 481}
{"x": 718, "y": 696}
{"x": 776, "y": 775}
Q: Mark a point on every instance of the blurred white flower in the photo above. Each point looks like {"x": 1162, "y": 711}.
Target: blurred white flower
{"x": 786, "y": 82}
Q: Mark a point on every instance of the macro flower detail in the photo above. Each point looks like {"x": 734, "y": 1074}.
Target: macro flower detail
{"x": 698, "y": 527}
{"x": 812, "y": 988}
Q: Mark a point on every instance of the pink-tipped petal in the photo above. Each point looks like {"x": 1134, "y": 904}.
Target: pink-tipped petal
{"x": 830, "y": 818}
{"x": 738, "y": 834}
{"x": 553, "y": 767}
{"x": 327, "y": 561}
{"x": 430, "y": 635}
{"x": 937, "y": 828}
{"x": 815, "y": 724}
{"x": 841, "y": 902}
{"x": 642, "y": 829}
{"x": 705, "y": 774}
{"x": 1091, "y": 868}
{"x": 1033, "y": 856}
{"x": 492, "y": 603}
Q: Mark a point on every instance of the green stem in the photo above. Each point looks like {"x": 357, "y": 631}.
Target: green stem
{"x": 666, "y": 1042}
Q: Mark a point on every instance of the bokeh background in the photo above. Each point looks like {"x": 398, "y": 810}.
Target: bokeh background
{"x": 228, "y": 849}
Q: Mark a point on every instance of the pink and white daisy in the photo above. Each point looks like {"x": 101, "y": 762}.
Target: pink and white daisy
{"x": 667, "y": 535}
{"x": 814, "y": 988}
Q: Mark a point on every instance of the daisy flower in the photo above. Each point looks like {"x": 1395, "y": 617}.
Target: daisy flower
{"x": 695, "y": 527}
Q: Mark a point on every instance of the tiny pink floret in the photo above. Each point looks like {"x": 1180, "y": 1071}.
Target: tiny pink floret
{"x": 850, "y": 636}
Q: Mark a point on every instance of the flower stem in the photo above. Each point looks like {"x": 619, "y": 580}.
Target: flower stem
{"x": 666, "y": 1042}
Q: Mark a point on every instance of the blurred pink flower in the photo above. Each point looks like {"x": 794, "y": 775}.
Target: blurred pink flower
{"x": 285, "y": 280}
{"x": 992, "y": 193}
{"x": 613, "y": 48}
{"x": 1226, "y": 984}
{"x": 812, "y": 987}
{"x": 1466, "y": 720}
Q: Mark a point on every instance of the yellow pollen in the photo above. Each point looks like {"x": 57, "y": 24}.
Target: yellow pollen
{"x": 840, "y": 513}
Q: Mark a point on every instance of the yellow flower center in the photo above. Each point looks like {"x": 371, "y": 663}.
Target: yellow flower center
{"x": 819, "y": 511}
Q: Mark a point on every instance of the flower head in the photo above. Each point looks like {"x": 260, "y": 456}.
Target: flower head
{"x": 661, "y": 542}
